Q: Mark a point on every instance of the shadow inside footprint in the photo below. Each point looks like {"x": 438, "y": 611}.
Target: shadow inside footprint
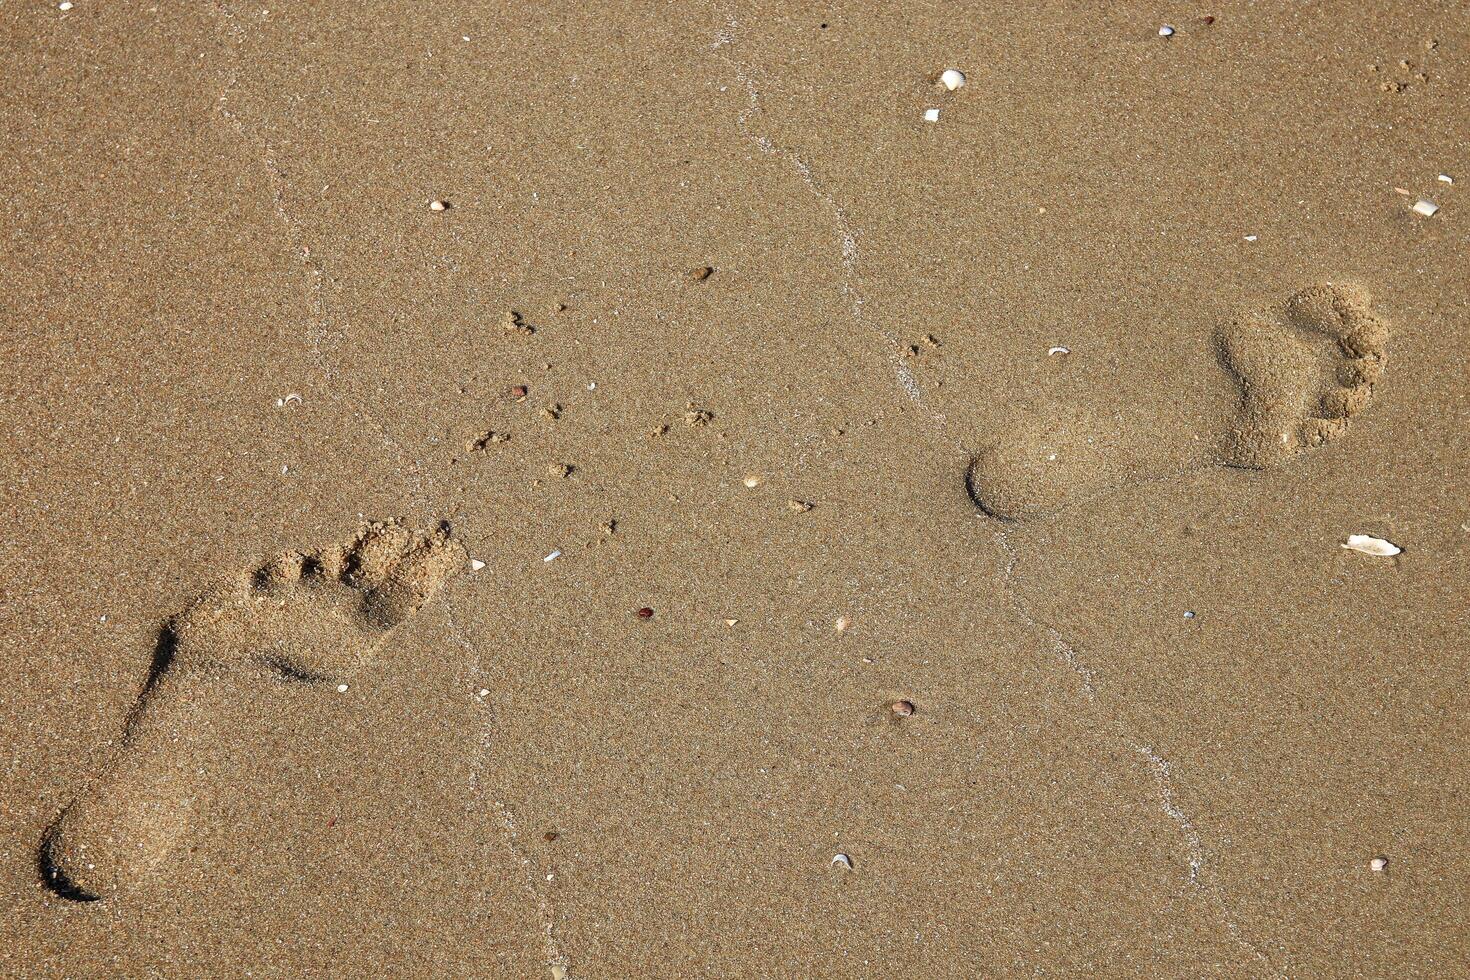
{"x": 308, "y": 618}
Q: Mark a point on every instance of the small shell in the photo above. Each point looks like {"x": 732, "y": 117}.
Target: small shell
{"x": 931, "y": 115}
{"x": 952, "y": 78}
{"x": 476, "y": 564}
{"x": 1369, "y": 545}
{"x": 842, "y": 861}
{"x": 1425, "y": 208}
{"x": 1166, "y": 31}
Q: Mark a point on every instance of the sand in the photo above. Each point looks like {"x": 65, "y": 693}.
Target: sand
{"x": 523, "y": 586}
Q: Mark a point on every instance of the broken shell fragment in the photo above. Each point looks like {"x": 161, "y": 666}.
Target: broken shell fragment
{"x": 1369, "y": 545}
{"x": 842, "y": 861}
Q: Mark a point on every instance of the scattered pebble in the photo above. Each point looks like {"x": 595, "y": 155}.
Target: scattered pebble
{"x": 476, "y": 564}
{"x": 483, "y": 692}
{"x": 1166, "y": 31}
{"x": 731, "y": 622}
{"x": 931, "y": 115}
{"x": 1378, "y": 863}
{"x": 1426, "y": 208}
{"x": 1250, "y": 238}
{"x": 519, "y": 391}
{"x": 553, "y": 556}
{"x": 952, "y": 78}
{"x": 902, "y": 709}
{"x": 1189, "y": 614}
{"x": 799, "y": 506}
{"x": 697, "y": 418}
{"x": 438, "y": 205}
{"x": 559, "y": 972}
{"x": 842, "y": 861}
{"x": 752, "y": 480}
{"x": 341, "y": 688}
{"x": 1369, "y": 545}
{"x": 562, "y": 470}
{"x": 645, "y": 613}
{"x": 702, "y": 273}
{"x": 64, "y": 6}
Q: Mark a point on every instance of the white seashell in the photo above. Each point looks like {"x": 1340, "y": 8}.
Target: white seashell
{"x": 952, "y": 78}
{"x": 1166, "y": 31}
{"x": 931, "y": 115}
{"x": 842, "y": 861}
{"x": 476, "y": 564}
{"x": 1426, "y": 208}
{"x": 1369, "y": 545}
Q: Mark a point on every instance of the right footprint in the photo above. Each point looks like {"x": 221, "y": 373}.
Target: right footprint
{"x": 1302, "y": 375}
{"x": 1303, "y": 370}
{"x": 302, "y": 618}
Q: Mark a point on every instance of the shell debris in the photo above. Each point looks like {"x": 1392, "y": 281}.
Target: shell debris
{"x": 931, "y": 115}
{"x": 952, "y": 78}
{"x": 1369, "y": 545}
{"x": 842, "y": 861}
{"x": 1425, "y": 208}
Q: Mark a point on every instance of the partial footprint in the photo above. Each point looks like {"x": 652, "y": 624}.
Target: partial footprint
{"x": 1304, "y": 370}
{"x": 1303, "y": 376}
{"x": 313, "y": 618}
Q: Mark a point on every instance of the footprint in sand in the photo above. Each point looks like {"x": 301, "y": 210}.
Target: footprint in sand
{"x": 303, "y": 618}
{"x": 1303, "y": 369}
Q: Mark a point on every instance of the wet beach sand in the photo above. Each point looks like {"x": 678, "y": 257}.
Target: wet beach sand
{"x": 689, "y": 490}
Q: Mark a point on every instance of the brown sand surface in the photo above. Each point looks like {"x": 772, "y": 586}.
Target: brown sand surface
{"x": 1163, "y": 723}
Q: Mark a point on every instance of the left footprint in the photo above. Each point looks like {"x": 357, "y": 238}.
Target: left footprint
{"x": 304, "y": 618}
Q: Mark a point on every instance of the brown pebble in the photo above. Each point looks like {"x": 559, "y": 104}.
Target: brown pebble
{"x": 702, "y": 273}
{"x": 1207, "y": 19}
{"x": 562, "y": 470}
{"x": 550, "y": 836}
{"x": 438, "y": 205}
{"x": 902, "y": 709}
{"x": 609, "y": 526}
{"x": 645, "y": 613}
{"x": 519, "y": 391}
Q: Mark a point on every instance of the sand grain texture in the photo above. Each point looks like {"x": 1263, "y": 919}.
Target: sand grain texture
{"x": 1162, "y": 722}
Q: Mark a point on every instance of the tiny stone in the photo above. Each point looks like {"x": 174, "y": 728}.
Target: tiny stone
{"x": 484, "y": 692}
{"x": 1166, "y": 31}
{"x": 931, "y": 115}
{"x": 550, "y": 836}
{"x": 702, "y": 273}
{"x": 1189, "y": 614}
{"x": 645, "y": 613}
{"x": 1378, "y": 863}
{"x": 341, "y": 688}
{"x": 476, "y": 564}
{"x": 438, "y": 205}
{"x": 609, "y": 526}
{"x": 518, "y": 391}
{"x": 64, "y": 6}
{"x": 799, "y": 506}
{"x": 562, "y": 470}
{"x": 902, "y": 709}
{"x": 731, "y": 622}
